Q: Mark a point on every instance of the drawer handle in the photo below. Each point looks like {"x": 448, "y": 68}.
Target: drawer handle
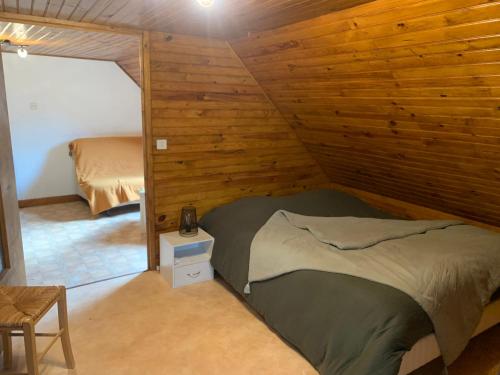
{"x": 194, "y": 275}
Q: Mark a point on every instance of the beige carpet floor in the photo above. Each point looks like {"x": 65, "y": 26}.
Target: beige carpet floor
{"x": 65, "y": 245}
{"x": 139, "y": 325}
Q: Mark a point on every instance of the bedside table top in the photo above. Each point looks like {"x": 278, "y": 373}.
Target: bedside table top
{"x": 175, "y": 239}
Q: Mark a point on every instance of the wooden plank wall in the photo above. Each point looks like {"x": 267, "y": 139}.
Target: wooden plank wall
{"x": 407, "y": 210}
{"x": 226, "y": 140}
{"x": 395, "y": 97}
{"x": 8, "y": 198}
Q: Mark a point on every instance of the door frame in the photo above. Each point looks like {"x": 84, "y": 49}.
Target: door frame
{"x": 144, "y": 62}
{"x": 4, "y": 243}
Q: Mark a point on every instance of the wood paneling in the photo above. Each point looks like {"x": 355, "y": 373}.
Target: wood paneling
{"x": 8, "y": 198}
{"x": 225, "y": 18}
{"x": 131, "y": 65}
{"x": 54, "y": 41}
{"x": 399, "y": 98}
{"x": 407, "y": 210}
{"x": 226, "y": 140}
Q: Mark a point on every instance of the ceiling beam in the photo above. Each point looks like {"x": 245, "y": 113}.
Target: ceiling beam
{"x": 54, "y": 22}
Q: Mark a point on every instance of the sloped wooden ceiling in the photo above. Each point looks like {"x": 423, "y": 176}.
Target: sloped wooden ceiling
{"x": 226, "y": 18}
{"x": 131, "y": 65}
{"x": 51, "y": 41}
{"x": 400, "y": 98}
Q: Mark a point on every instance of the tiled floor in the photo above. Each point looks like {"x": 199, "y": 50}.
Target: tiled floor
{"x": 65, "y": 245}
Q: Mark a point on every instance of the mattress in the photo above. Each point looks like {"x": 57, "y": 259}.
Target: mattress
{"x": 109, "y": 170}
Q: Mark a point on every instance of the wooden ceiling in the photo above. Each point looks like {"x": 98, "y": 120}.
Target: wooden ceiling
{"x": 400, "y": 98}
{"x": 50, "y": 41}
{"x": 226, "y": 18}
{"x": 42, "y": 40}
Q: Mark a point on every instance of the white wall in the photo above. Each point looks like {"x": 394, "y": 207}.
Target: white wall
{"x": 53, "y": 100}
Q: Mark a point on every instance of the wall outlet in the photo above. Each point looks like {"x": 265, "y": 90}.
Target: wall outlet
{"x": 161, "y": 144}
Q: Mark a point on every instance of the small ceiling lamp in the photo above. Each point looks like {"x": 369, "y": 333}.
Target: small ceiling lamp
{"x": 206, "y": 3}
{"x": 22, "y": 52}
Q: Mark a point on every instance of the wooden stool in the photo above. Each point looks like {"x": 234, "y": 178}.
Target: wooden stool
{"x": 21, "y": 307}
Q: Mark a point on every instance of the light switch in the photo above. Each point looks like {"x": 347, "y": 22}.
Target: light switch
{"x": 161, "y": 144}
{"x": 33, "y": 106}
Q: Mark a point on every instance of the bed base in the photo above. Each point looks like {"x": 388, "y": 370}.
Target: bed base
{"x": 427, "y": 349}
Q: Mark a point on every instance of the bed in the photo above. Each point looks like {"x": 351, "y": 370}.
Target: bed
{"x": 341, "y": 324}
{"x": 109, "y": 171}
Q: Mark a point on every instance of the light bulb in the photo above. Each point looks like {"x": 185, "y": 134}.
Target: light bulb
{"x": 22, "y": 52}
{"x": 206, "y": 3}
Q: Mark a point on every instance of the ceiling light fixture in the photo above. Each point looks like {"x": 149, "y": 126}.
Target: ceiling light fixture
{"x": 206, "y": 3}
{"x": 22, "y": 52}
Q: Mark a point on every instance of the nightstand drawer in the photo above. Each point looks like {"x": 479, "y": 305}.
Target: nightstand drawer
{"x": 193, "y": 273}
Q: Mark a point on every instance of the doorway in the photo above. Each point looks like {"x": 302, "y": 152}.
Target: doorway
{"x": 76, "y": 86}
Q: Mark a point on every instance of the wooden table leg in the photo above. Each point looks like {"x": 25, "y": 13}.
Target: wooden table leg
{"x": 7, "y": 350}
{"x": 30, "y": 347}
{"x": 62, "y": 312}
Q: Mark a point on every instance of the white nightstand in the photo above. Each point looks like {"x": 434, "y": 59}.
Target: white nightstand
{"x": 186, "y": 260}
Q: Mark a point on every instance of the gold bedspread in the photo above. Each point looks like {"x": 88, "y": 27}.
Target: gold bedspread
{"x": 110, "y": 170}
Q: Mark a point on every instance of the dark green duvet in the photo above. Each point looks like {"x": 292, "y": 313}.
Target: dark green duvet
{"x": 341, "y": 324}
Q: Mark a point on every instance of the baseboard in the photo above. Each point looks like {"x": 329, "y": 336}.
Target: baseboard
{"x": 49, "y": 200}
